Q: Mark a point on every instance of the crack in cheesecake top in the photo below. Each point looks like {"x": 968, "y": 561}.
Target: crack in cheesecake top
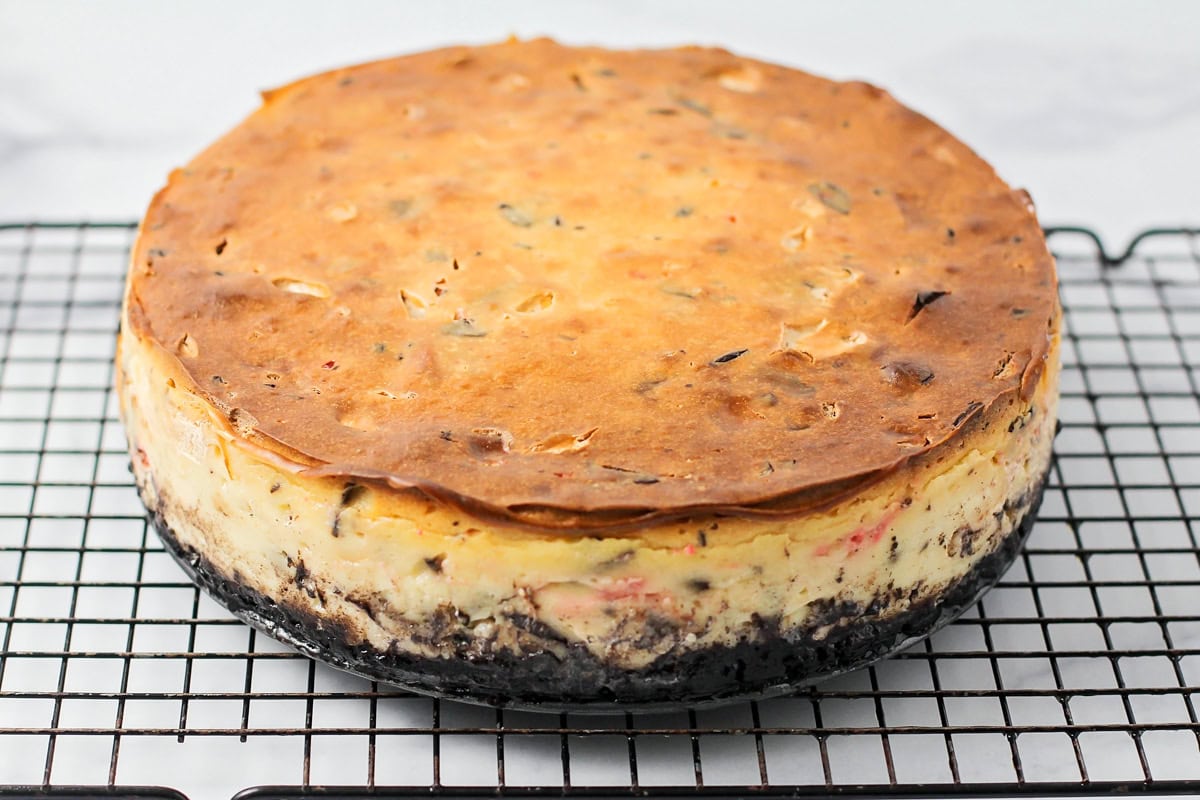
{"x": 563, "y": 283}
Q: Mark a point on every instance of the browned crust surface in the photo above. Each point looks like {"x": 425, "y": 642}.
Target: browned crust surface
{"x": 555, "y": 283}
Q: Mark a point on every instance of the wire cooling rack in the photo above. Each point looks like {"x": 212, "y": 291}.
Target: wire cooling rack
{"x": 1079, "y": 674}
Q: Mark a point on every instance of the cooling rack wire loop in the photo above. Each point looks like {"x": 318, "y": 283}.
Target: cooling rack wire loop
{"x": 1079, "y": 674}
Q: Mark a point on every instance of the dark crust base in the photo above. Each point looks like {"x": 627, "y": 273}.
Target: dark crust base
{"x": 774, "y": 663}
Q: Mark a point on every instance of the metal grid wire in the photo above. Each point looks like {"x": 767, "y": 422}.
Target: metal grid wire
{"x": 1080, "y": 672}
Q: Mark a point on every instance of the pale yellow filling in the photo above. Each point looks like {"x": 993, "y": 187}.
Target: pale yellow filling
{"x": 384, "y": 562}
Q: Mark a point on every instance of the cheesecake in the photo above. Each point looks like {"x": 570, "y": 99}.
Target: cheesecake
{"x": 568, "y": 377}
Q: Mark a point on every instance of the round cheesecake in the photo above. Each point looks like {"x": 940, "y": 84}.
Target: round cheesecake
{"x": 553, "y": 376}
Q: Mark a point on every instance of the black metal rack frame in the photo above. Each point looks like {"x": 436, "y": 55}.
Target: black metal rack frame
{"x": 1079, "y": 674}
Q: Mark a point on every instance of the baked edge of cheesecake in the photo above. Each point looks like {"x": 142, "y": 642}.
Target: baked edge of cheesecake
{"x": 700, "y": 609}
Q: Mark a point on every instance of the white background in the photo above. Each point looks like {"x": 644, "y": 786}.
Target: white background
{"x": 1092, "y": 106}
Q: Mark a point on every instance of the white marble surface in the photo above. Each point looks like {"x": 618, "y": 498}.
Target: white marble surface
{"x": 1092, "y": 106}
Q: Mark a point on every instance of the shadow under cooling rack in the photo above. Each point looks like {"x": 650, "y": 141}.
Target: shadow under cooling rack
{"x": 1079, "y": 673}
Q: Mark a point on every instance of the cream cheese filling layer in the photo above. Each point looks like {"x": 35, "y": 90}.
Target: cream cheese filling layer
{"x": 402, "y": 572}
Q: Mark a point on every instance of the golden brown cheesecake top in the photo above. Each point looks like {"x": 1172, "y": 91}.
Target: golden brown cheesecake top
{"x": 576, "y": 286}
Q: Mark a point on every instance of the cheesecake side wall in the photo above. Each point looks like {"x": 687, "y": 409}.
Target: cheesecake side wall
{"x": 397, "y": 572}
